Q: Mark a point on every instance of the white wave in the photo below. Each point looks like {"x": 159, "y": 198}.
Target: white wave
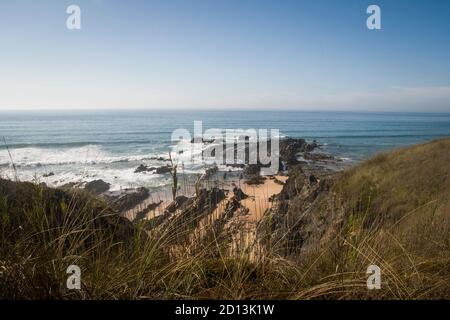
{"x": 90, "y": 154}
{"x": 92, "y": 162}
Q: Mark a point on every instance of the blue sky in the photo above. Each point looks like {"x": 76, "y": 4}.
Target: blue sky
{"x": 252, "y": 54}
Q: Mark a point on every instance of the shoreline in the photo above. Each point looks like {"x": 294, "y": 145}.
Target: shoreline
{"x": 247, "y": 195}
{"x": 144, "y": 202}
{"x": 317, "y": 221}
{"x": 260, "y": 194}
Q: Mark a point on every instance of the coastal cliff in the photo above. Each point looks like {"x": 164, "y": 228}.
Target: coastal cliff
{"x": 316, "y": 232}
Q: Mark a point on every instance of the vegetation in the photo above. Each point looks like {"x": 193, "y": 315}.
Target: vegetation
{"x": 173, "y": 173}
{"x": 396, "y": 214}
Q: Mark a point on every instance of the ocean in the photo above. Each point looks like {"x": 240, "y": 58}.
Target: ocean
{"x": 78, "y": 146}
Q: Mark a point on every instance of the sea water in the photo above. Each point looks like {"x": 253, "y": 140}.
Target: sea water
{"x": 78, "y": 146}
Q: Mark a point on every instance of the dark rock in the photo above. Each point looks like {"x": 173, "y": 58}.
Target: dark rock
{"x": 144, "y": 168}
{"x": 252, "y": 169}
{"x": 159, "y": 159}
{"x": 303, "y": 213}
{"x": 176, "y": 204}
{"x": 50, "y": 174}
{"x": 141, "y": 168}
{"x": 317, "y": 157}
{"x": 255, "y": 180}
{"x": 312, "y": 179}
{"x": 143, "y": 213}
{"x": 192, "y": 212}
{"x": 277, "y": 181}
{"x": 289, "y": 148}
{"x": 309, "y": 147}
{"x": 97, "y": 187}
{"x": 156, "y": 221}
{"x": 239, "y": 194}
{"x": 232, "y": 206}
{"x": 129, "y": 199}
{"x": 163, "y": 170}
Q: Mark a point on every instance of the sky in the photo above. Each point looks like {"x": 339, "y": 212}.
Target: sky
{"x": 226, "y": 54}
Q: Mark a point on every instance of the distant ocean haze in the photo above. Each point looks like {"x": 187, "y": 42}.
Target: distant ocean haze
{"x": 80, "y": 146}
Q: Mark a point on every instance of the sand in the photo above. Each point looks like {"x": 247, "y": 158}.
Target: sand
{"x": 259, "y": 195}
{"x": 257, "y": 203}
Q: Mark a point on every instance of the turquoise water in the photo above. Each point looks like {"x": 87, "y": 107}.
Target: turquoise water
{"x": 77, "y": 145}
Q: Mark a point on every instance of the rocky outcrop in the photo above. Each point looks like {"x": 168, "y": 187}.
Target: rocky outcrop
{"x": 303, "y": 215}
{"x": 291, "y": 147}
{"x": 252, "y": 174}
{"x": 317, "y": 157}
{"x": 143, "y": 213}
{"x": 156, "y": 221}
{"x": 176, "y": 204}
{"x": 144, "y": 168}
{"x": 97, "y": 187}
{"x": 157, "y": 170}
{"x": 159, "y": 158}
{"x": 188, "y": 218}
{"x": 128, "y": 199}
{"x": 47, "y": 175}
{"x": 239, "y": 194}
{"x": 252, "y": 169}
{"x": 255, "y": 180}
{"x": 232, "y": 209}
{"x": 289, "y": 150}
{"x": 277, "y": 181}
{"x": 163, "y": 170}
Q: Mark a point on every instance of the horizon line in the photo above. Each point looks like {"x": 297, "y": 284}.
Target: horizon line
{"x": 200, "y": 109}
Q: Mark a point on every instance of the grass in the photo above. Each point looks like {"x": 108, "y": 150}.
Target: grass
{"x": 396, "y": 215}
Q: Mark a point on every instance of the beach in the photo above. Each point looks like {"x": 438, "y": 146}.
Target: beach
{"x": 61, "y": 147}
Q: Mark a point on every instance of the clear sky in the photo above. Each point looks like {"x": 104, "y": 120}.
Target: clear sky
{"x": 305, "y": 55}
